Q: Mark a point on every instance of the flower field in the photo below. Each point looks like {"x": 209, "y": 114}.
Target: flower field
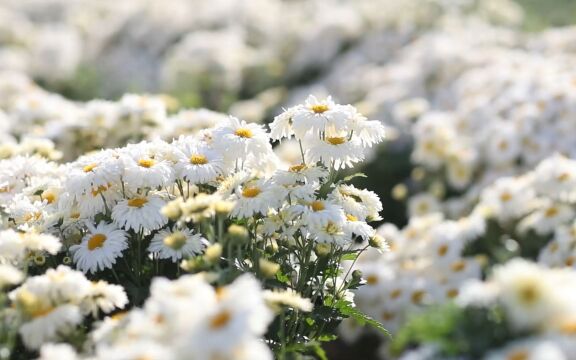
{"x": 287, "y": 179}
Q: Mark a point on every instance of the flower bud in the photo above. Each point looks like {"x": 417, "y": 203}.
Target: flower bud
{"x": 322, "y": 249}
{"x": 172, "y": 210}
{"x": 213, "y": 253}
{"x": 268, "y": 268}
{"x": 238, "y": 233}
{"x": 378, "y": 242}
{"x": 399, "y": 192}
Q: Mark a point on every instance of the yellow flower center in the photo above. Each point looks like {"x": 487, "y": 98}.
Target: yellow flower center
{"x": 563, "y": 177}
{"x": 97, "y": 191}
{"x": 387, "y": 316}
{"x": 351, "y": 217}
{"x": 50, "y": 197}
{"x": 89, "y": 167}
{"x": 146, "y": 163}
{"x": 297, "y": 168}
{"x": 198, "y": 159}
{"x": 518, "y": 355}
{"x": 458, "y": 266}
{"x": 220, "y": 320}
{"x": 417, "y": 296}
{"x": 372, "y": 279}
{"x": 251, "y": 192}
{"x": 551, "y": 212}
{"x": 40, "y": 312}
{"x": 137, "y": 202}
{"x": 175, "y": 241}
{"x": 505, "y": 197}
{"x": 336, "y": 140}
{"x": 395, "y": 294}
{"x": 317, "y": 205}
{"x": 331, "y": 228}
{"x": 96, "y": 241}
{"x": 243, "y": 133}
{"x": 442, "y": 250}
{"x": 319, "y": 108}
{"x": 452, "y": 293}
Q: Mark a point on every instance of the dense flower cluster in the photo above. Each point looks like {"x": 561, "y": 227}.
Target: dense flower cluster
{"x": 221, "y": 203}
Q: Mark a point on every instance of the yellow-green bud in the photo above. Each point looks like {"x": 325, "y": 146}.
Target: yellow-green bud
{"x": 172, "y": 210}
{"x": 238, "y": 233}
{"x": 213, "y": 253}
{"x": 268, "y": 268}
{"x": 322, "y": 249}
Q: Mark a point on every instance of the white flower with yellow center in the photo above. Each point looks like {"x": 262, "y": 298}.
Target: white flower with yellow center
{"x": 175, "y": 245}
{"x": 92, "y": 171}
{"x": 147, "y": 165}
{"x": 369, "y": 132}
{"x": 238, "y": 140}
{"x": 257, "y": 197}
{"x": 362, "y": 204}
{"x": 198, "y": 164}
{"x": 97, "y": 199}
{"x": 315, "y": 116}
{"x": 47, "y": 324}
{"x": 319, "y": 213}
{"x": 140, "y": 213}
{"x": 335, "y": 149}
{"x": 99, "y": 248}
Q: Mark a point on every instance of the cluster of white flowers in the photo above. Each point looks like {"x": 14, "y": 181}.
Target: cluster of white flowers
{"x": 133, "y": 210}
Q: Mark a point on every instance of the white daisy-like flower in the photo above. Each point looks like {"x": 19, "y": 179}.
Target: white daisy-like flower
{"x": 369, "y": 132}
{"x": 135, "y": 350}
{"x": 177, "y": 244}
{"x": 315, "y": 116}
{"x": 9, "y": 275}
{"x": 362, "y": 204}
{"x": 556, "y": 177}
{"x": 99, "y": 248}
{"x": 57, "y": 352}
{"x": 257, "y": 197}
{"x": 288, "y": 297}
{"x": 330, "y": 233}
{"x": 281, "y": 127}
{"x": 48, "y": 323}
{"x": 147, "y": 165}
{"x": 92, "y": 171}
{"x": 336, "y": 149}
{"x": 319, "y": 213}
{"x": 198, "y": 164}
{"x": 105, "y": 297}
{"x": 140, "y": 213}
{"x": 238, "y": 139}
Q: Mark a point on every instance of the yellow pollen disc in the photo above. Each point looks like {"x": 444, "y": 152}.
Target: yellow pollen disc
{"x": 331, "y": 229}
{"x": 319, "y": 108}
{"x": 5, "y": 189}
{"x": 336, "y": 140}
{"x": 146, "y": 163}
{"x": 220, "y": 292}
{"x": 97, "y": 191}
{"x": 297, "y": 168}
{"x": 458, "y": 266}
{"x": 96, "y": 241}
{"x": 41, "y": 312}
{"x": 518, "y": 355}
{"x": 243, "y": 133}
{"x": 417, "y": 296}
{"x": 89, "y": 167}
{"x": 505, "y": 197}
{"x": 317, "y": 205}
{"x": 563, "y": 177}
{"x": 452, "y": 293}
{"x": 569, "y": 261}
{"x": 551, "y": 212}
{"x": 442, "y": 250}
{"x": 49, "y": 197}
{"x": 198, "y": 159}
{"x": 372, "y": 279}
{"x": 351, "y": 217}
{"x": 220, "y": 320}
{"x": 75, "y": 215}
{"x": 395, "y": 294}
{"x": 251, "y": 192}
{"x": 137, "y": 202}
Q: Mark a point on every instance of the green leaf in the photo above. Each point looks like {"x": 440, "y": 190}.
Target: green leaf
{"x": 349, "y": 257}
{"x": 346, "y": 309}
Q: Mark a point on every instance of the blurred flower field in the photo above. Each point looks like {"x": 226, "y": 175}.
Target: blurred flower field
{"x": 287, "y": 179}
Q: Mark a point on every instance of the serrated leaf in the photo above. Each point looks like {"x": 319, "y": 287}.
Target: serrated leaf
{"x": 347, "y": 309}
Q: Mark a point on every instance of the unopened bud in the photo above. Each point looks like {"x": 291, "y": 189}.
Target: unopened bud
{"x": 172, "y": 210}
{"x": 268, "y": 268}
{"x": 357, "y": 275}
{"x": 238, "y": 233}
{"x": 399, "y": 192}
{"x": 213, "y": 253}
{"x": 323, "y": 249}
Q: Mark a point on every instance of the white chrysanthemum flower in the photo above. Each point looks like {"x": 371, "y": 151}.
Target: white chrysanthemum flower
{"x": 175, "y": 245}
{"x": 299, "y": 174}
{"x": 93, "y": 171}
{"x": 15, "y": 245}
{"x": 281, "y": 127}
{"x": 423, "y": 204}
{"x": 57, "y": 352}
{"x": 544, "y": 220}
{"x": 362, "y": 204}
{"x": 140, "y": 213}
{"x": 147, "y": 165}
{"x": 238, "y": 139}
{"x": 555, "y": 177}
{"x": 529, "y": 349}
{"x": 315, "y": 116}
{"x": 105, "y": 297}
{"x": 98, "y": 199}
{"x": 320, "y": 213}
{"x": 198, "y": 164}
{"x": 509, "y": 198}
{"x": 330, "y": 233}
{"x": 355, "y": 227}
{"x": 336, "y": 150}
{"x": 48, "y": 323}
{"x": 369, "y": 132}
{"x": 99, "y": 248}
{"x": 9, "y": 275}
{"x": 135, "y": 350}
{"x": 257, "y": 197}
